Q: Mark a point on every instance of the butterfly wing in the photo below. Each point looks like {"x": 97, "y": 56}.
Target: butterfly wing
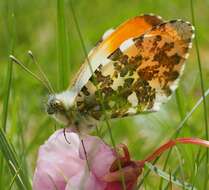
{"x": 140, "y": 74}
{"x": 110, "y": 41}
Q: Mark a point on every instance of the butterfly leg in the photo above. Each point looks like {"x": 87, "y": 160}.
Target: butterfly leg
{"x": 64, "y": 133}
{"x": 77, "y": 128}
{"x": 85, "y": 153}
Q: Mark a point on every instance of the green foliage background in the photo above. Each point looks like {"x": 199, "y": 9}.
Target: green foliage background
{"x": 38, "y": 25}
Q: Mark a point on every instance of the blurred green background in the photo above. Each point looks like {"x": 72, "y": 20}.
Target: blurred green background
{"x": 38, "y": 26}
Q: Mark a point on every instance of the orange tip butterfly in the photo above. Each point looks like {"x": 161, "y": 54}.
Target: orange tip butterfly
{"x": 132, "y": 70}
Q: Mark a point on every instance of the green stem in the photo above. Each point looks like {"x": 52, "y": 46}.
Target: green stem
{"x": 202, "y": 90}
{"x": 11, "y": 31}
{"x": 62, "y": 45}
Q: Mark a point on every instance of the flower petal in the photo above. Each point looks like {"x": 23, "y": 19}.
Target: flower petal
{"x": 99, "y": 154}
{"x": 57, "y": 161}
{"x": 85, "y": 181}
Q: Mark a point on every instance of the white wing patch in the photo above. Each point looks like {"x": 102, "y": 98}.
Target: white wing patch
{"x": 107, "y": 33}
{"x": 133, "y": 99}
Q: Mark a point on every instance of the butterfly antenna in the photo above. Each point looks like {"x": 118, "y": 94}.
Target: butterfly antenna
{"x": 18, "y": 62}
{"x": 43, "y": 75}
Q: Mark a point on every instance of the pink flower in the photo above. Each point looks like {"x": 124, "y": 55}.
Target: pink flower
{"x": 63, "y": 166}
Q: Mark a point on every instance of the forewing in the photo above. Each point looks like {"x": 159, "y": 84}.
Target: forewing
{"x": 110, "y": 41}
{"x": 139, "y": 75}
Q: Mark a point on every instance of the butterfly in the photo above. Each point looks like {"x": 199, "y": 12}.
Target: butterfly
{"x": 133, "y": 69}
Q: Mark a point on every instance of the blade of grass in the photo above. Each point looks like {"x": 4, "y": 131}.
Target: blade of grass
{"x": 199, "y": 159}
{"x": 13, "y": 179}
{"x": 9, "y": 68}
{"x": 10, "y": 157}
{"x": 164, "y": 167}
{"x": 181, "y": 115}
{"x": 202, "y": 90}
{"x": 7, "y": 88}
{"x": 179, "y": 104}
{"x": 169, "y": 177}
{"x": 195, "y": 168}
{"x": 180, "y": 127}
{"x": 63, "y": 48}
{"x": 174, "y": 174}
{"x": 189, "y": 114}
{"x": 193, "y": 172}
{"x": 179, "y": 157}
{"x": 170, "y": 181}
{"x": 146, "y": 174}
{"x": 22, "y": 155}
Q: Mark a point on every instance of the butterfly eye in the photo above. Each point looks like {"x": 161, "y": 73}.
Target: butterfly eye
{"x": 56, "y": 103}
{"x": 53, "y": 106}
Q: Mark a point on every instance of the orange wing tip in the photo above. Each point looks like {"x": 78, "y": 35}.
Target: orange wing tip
{"x": 132, "y": 28}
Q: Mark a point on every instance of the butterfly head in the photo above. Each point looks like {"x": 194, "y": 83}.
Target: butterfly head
{"x": 60, "y": 106}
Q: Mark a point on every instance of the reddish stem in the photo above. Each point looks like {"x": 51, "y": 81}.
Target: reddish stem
{"x": 170, "y": 144}
{"x": 132, "y": 169}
